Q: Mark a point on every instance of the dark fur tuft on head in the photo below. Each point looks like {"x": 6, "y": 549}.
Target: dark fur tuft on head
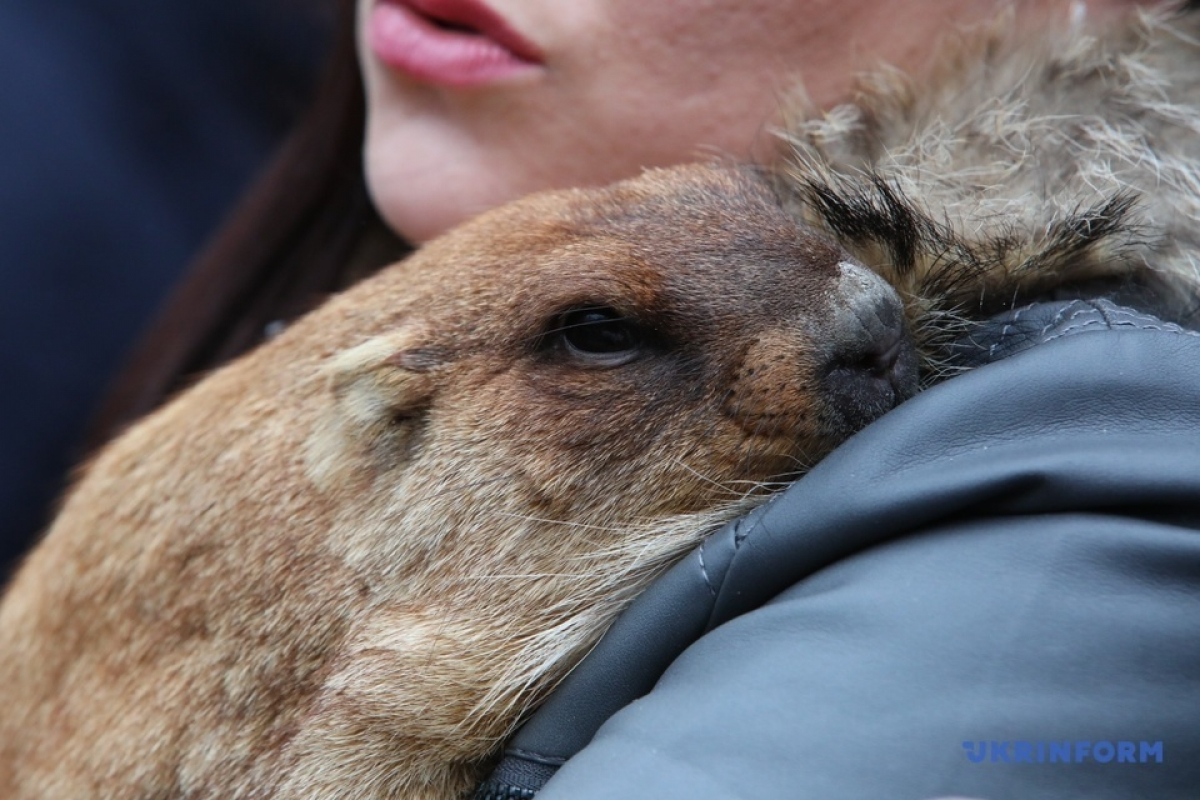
{"x": 874, "y": 213}
{"x": 947, "y": 269}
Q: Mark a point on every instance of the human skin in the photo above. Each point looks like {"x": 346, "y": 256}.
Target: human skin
{"x": 622, "y": 85}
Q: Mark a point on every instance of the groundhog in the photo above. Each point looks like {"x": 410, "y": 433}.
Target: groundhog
{"x": 348, "y": 564}
{"x": 345, "y": 565}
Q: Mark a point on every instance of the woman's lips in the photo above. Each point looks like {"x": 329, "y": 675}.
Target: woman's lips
{"x": 456, "y": 43}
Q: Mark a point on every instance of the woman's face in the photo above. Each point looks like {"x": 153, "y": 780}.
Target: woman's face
{"x": 475, "y": 102}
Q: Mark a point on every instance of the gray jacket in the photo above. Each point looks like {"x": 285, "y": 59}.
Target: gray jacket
{"x": 993, "y": 591}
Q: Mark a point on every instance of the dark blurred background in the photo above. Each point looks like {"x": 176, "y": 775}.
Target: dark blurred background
{"x": 127, "y": 131}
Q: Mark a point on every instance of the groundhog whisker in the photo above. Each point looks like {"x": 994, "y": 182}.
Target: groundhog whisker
{"x": 515, "y": 576}
{"x": 467, "y": 487}
{"x": 724, "y": 486}
{"x": 561, "y": 522}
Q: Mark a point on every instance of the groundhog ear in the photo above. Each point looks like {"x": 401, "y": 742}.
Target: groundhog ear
{"x": 386, "y": 379}
{"x": 380, "y": 390}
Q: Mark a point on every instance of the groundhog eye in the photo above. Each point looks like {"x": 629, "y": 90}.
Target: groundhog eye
{"x": 599, "y": 334}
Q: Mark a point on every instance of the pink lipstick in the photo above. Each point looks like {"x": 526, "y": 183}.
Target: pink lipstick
{"x": 454, "y": 43}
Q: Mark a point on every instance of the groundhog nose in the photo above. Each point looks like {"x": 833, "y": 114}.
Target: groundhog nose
{"x": 872, "y": 366}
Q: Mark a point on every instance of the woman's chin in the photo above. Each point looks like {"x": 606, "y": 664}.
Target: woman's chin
{"x": 420, "y": 205}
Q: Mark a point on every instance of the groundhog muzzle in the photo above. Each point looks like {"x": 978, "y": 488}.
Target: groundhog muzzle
{"x": 346, "y": 565}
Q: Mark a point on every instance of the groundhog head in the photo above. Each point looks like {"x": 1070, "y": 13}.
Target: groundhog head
{"x": 651, "y": 326}
{"x": 351, "y": 561}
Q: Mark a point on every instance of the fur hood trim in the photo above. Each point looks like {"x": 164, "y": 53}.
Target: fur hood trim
{"x": 1018, "y": 167}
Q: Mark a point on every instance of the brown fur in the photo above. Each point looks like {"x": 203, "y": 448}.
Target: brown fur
{"x": 346, "y": 565}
